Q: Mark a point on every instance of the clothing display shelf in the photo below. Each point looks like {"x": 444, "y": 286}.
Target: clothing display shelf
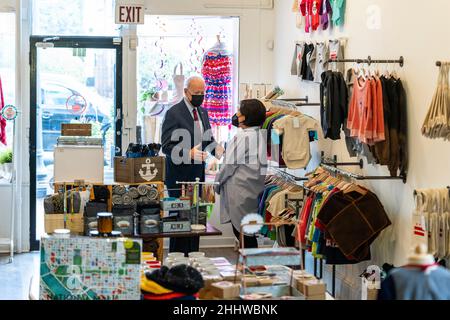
{"x": 269, "y": 257}
{"x": 82, "y": 186}
{"x": 369, "y": 61}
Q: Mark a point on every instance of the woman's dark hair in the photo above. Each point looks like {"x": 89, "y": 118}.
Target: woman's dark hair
{"x": 254, "y": 112}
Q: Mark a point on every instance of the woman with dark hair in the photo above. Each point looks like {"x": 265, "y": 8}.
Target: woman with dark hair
{"x": 241, "y": 179}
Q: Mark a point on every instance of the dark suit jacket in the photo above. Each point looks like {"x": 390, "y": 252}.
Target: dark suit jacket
{"x": 179, "y": 145}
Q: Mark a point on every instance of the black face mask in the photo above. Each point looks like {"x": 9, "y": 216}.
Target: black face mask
{"x": 235, "y": 121}
{"x": 197, "y": 100}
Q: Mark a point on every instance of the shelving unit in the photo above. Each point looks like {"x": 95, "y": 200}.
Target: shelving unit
{"x": 146, "y": 239}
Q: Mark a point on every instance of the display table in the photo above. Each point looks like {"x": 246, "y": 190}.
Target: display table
{"x": 148, "y": 240}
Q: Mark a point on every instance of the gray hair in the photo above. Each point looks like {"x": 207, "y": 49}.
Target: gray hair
{"x": 191, "y": 79}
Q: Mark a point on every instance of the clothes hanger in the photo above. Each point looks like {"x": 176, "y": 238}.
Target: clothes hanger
{"x": 386, "y": 74}
{"x": 356, "y": 188}
{"x": 394, "y": 72}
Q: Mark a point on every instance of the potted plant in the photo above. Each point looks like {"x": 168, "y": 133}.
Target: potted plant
{"x": 6, "y": 164}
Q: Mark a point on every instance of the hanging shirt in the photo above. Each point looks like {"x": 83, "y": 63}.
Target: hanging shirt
{"x": 321, "y": 61}
{"x": 336, "y": 52}
{"x": 296, "y": 145}
{"x": 316, "y": 6}
{"x": 338, "y": 12}
{"x": 296, "y": 68}
{"x": 305, "y": 9}
{"x": 325, "y": 14}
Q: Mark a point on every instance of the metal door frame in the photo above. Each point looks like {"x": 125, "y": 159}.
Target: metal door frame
{"x": 68, "y": 42}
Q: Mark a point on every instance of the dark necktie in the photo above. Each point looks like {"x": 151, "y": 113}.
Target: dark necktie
{"x": 197, "y": 119}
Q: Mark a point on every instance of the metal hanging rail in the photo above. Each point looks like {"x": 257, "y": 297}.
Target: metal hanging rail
{"x": 416, "y": 192}
{"x": 441, "y": 63}
{"x": 360, "y": 177}
{"x": 305, "y": 99}
{"x": 369, "y": 61}
{"x": 307, "y": 104}
{"x": 334, "y": 163}
{"x": 288, "y": 175}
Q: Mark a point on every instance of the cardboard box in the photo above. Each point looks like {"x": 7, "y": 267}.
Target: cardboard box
{"x": 300, "y": 281}
{"x": 76, "y": 130}
{"x": 319, "y": 297}
{"x": 206, "y": 293}
{"x": 250, "y": 281}
{"x": 266, "y": 281}
{"x": 231, "y": 276}
{"x": 139, "y": 170}
{"x": 73, "y": 163}
{"x": 226, "y": 290}
{"x": 314, "y": 288}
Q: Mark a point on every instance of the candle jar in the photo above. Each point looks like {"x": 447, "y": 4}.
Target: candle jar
{"x": 105, "y": 223}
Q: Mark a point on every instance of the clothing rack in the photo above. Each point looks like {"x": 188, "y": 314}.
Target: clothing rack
{"x": 441, "y": 63}
{"x": 369, "y": 61}
{"x": 288, "y": 175}
{"x": 305, "y": 99}
{"x": 415, "y": 191}
{"x": 302, "y": 102}
{"x": 334, "y": 163}
{"x": 360, "y": 177}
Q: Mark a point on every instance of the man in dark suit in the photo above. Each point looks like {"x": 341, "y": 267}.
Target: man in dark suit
{"x": 186, "y": 141}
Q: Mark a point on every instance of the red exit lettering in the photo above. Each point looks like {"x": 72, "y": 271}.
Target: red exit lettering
{"x": 129, "y": 14}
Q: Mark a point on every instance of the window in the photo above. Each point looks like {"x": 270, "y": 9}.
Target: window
{"x": 167, "y": 41}
{"x": 74, "y": 18}
{"x": 7, "y": 67}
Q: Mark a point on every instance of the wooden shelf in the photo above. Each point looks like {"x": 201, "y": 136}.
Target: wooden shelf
{"x": 209, "y": 232}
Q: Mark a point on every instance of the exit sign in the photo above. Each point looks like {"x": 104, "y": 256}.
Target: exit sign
{"x": 130, "y": 14}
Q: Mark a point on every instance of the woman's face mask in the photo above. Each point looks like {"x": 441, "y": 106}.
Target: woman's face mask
{"x": 238, "y": 120}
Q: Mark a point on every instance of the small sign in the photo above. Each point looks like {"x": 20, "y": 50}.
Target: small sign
{"x": 9, "y": 113}
{"x": 130, "y": 14}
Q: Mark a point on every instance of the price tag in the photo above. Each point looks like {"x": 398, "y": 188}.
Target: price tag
{"x": 296, "y": 123}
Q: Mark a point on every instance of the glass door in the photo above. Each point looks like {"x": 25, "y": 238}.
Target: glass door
{"x": 73, "y": 80}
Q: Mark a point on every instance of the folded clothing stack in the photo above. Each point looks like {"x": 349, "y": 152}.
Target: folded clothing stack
{"x": 181, "y": 282}
{"x": 142, "y": 195}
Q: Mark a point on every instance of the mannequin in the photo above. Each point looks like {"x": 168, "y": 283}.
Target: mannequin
{"x": 421, "y": 258}
{"x": 178, "y": 80}
{"x": 422, "y": 279}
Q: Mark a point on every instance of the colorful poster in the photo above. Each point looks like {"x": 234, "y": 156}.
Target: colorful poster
{"x": 90, "y": 269}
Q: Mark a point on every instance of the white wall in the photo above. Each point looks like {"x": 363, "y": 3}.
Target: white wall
{"x": 421, "y": 38}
